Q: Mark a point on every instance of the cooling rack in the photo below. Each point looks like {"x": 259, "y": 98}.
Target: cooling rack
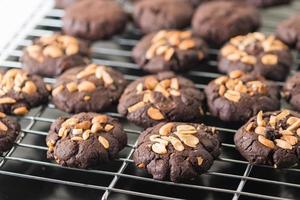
{"x": 26, "y": 173}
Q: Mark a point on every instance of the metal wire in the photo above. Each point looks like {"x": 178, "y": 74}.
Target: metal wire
{"x": 118, "y": 56}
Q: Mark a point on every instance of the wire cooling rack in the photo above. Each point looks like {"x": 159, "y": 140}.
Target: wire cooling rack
{"x": 26, "y": 173}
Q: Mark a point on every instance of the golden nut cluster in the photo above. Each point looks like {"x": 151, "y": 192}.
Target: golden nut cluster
{"x": 182, "y": 135}
{"x": 53, "y": 46}
{"x": 100, "y": 72}
{"x": 231, "y": 87}
{"x": 235, "y": 50}
{"x": 165, "y": 42}
{"x": 82, "y": 130}
{"x": 289, "y": 136}
{"x": 167, "y": 87}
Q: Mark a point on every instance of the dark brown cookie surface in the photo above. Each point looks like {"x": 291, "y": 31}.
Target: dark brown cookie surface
{"x": 154, "y": 15}
{"x": 218, "y": 21}
{"x": 291, "y": 91}
{"x": 20, "y": 91}
{"x": 239, "y": 96}
{"x": 177, "y": 151}
{"x": 256, "y": 53}
{"x": 52, "y": 55}
{"x": 85, "y": 140}
{"x": 268, "y": 3}
{"x": 92, "y": 88}
{"x": 9, "y": 131}
{"x": 289, "y": 32}
{"x": 162, "y": 97}
{"x": 169, "y": 50}
{"x": 271, "y": 138}
{"x": 94, "y": 19}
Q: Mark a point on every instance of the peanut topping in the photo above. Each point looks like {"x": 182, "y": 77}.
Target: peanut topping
{"x": 155, "y": 114}
{"x": 3, "y": 127}
{"x": 232, "y": 86}
{"x": 165, "y": 43}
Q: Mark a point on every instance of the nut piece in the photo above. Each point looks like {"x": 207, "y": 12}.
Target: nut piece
{"x": 108, "y": 127}
{"x": 155, "y": 114}
{"x": 77, "y": 131}
{"x": 72, "y": 87}
{"x": 259, "y": 119}
{"x": 292, "y": 140}
{"x": 53, "y": 51}
{"x": 136, "y": 106}
{"x": 86, "y": 134}
{"x": 3, "y": 127}
{"x": 159, "y": 148}
{"x": 20, "y": 111}
{"x": 86, "y": 86}
{"x": 29, "y": 87}
{"x": 169, "y": 53}
{"x": 186, "y": 129}
{"x": 232, "y": 95}
{"x": 174, "y": 84}
{"x": 150, "y": 82}
{"x": 7, "y": 100}
{"x": 2, "y": 115}
{"x": 96, "y": 127}
{"x": 57, "y": 90}
{"x": 200, "y": 160}
{"x": 235, "y": 74}
{"x": 187, "y": 44}
{"x": 72, "y": 49}
{"x": 249, "y": 126}
{"x": 178, "y": 146}
{"x": 283, "y": 144}
{"x": 83, "y": 125}
{"x": 100, "y": 119}
{"x": 260, "y": 130}
{"x": 76, "y": 138}
{"x": 166, "y": 129}
{"x": 189, "y": 140}
{"x": 266, "y": 142}
{"x": 104, "y": 142}
{"x": 269, "y": 59}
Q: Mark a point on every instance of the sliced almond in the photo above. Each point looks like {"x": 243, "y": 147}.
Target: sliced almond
{"x": 186, "y": 129}
{"x": 85, "y": 73}
{"x": 162, "y": 90}
{"x": 57, "y": 90}
{"x": 189, "y": 140}
{"x": 159, "y": 148}
{"x": 72, "y": 86}
{"x": 187, "y": 44}
{"x": 165, "y": 83}
{"x": 76, "y": 138}
{"x": 260, "y": 130}
{"x": 53, "y": 51}
{"x": 20, "y": 110}
{"x": 232, "y": 95}
{"x": 221, "y": 80}
{"x": 235, "y": 74}
{"x": 228, "y": 49}
{"x": 259, "y": 119}
{"x": 104, "y": 142}
{"x": 29, "y": 87}
{"x": 3, "y": 127}
{"x": 266, "y": 142}
{"x": 292, "y": 140}
{"x": 86, "y": 86}
{"x": 7, "y": 100}
{"x": 294, "y": 126}
{"x": 169, "y": 53}
{"x": 174, "y": 84}
{"x": 166, "y": 129}
{"x": 269, "y": 59}
{"x": 72, "y": 49}
{"x": 282, "y": 115}
{"x": 108, "y": 127}
{"x": 70, "y": 122}
{"x": 107, "y": 78}
{"x": 100, "y": 119}
{"x": 139, "y": 88}
{"x": 286, "y": 132}
{"x": 96, "y": 127}
{"x": 174, "y": 93}
{"x": 2, "y": 115}
{"x": 83, "y": 125}
{"x": 86, "y": 134}
{"x": 155, "y": 114}
{"x": 272, "y": 121}
{"x": 249, "y": 126}
{"x": 150, "y": 82}
{"x": 178, "y": 146}
{"x": 292, "y": 120}
{"x": 77, "y": 131}
{"x": 283, "y": 144}
{"x": 136, "y": 107}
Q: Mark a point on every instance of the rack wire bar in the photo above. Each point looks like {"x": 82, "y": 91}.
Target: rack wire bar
{"x": 231, "y": 177}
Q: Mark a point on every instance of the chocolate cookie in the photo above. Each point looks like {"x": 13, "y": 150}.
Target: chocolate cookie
{"x": 177, "y": 151}
{"x": 20, "y": 91}
{"x": 169, "y": 50}
{"x": 239, "y": 96}
{"x": 9, "y": 131}
{"x": 289, "y": 32}
{"x": 271, "y": 139}
{"x": 258, "y": 54}
{"x": 162, "y": 97}
{"x": 154, "y": 15}
{"x": 291, "y": 91}
{"x": 52, "y": 55}
{"x": 218, "y": 21}
{"x": 91, "y": 88}
{"x": 85, "y": 140}
{"x": 94, "y": 19}
{"x": 268, "y": 3}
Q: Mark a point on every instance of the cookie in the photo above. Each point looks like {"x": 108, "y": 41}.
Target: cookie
{"x": 288, "y": 31}
{"x": 52, "y": 55}
{"x": 9, "y": 131}
{"x": 268, "y": 3}
{"x": 270, "y": 138}
{"x": 92, "y": 88}
{"x": 94, "y": 19}
{"x": 291, "y": 91}
{"x": 162, "y": 97}
{"x": 154, "y": 15}
{"x": 177, "y": 151}
{"x": 169, "y": 50}
{"x": 256, "y": 53}
{"x": 20, "y": 91}
{"x": 85, "y": 140}
{"x": 229, "y": 19}
{"x": 239, "y": 96}
{"x": 62, "y": 4}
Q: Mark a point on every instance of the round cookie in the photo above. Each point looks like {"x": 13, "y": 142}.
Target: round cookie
{"x": 291, "y": 91}
{"x": 218, "y": 21}
{"x": 169, "y": 50}
{"x": 177, "y": 151}
{"x": 52, "y": 55}
{"x": 94, "y": 19}
{"x": 239, "y": 96}
{"x": 20, "y": 91}
{"x": 270, "y": 138}
{"x": 256, "y": 53}
{"x": 154, "y": 15}
{"x": 91, "y": 88}
{"x": 9, "y": 131}
{"x": 288, "y": 31}
{"x": 162, "y": 97}
{"x": 268, "y": 3}
{"x": 85, "y": 140}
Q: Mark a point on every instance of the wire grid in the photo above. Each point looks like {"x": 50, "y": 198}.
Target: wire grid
{"x": 231, "y": 177}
